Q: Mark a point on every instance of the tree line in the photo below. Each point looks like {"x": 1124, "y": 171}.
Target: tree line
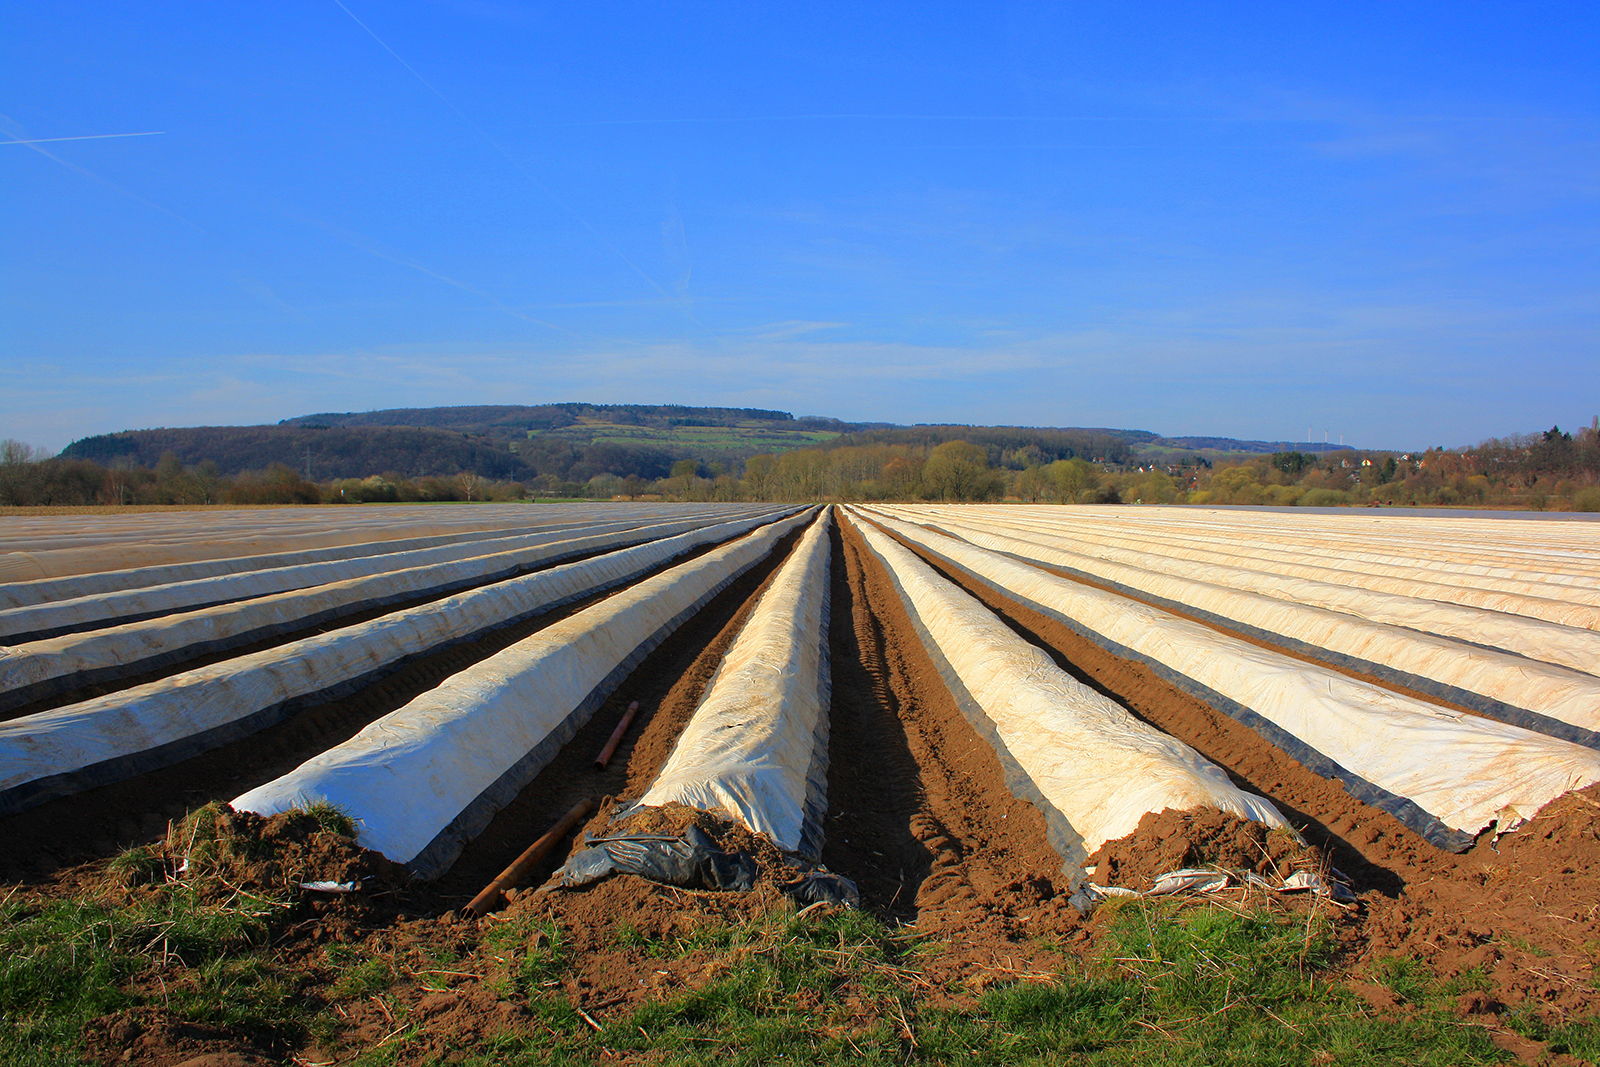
{"x": 1555, "y": 469}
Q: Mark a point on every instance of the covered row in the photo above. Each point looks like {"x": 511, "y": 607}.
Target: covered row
{"x": 425, "y": 779}
{"x": 162, "y": 722}
{"x": 38, "y": 669}
{"x": 1443, "y": 650}
{"x": 1090, "y": 767}
{"x": 1446, "y": 774}
{"x": 756, "y": 749}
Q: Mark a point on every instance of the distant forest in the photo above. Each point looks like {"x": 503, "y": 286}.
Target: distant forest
{"x": 676, "y": 452}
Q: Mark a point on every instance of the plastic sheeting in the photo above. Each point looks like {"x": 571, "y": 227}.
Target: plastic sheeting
{"x": 51, "y": 547}
{"x": 102, "y": 583}
{"x": 116, "y": 736}
{"x": 1466, "y": 667}
{"x": 366, "y": 526}
{"x": 38, "y": 669}
{"x": 1446, "y": 774}
{"x": 425, "y": 779}
{"x": 1555, "y": 559}
{"x": 756, "y": 749}
{"x": 105, "y": 609}
{"x": 1292, "y": 556}
{"x": 1575, "y": 647}
{"x": 1090, "y": 766}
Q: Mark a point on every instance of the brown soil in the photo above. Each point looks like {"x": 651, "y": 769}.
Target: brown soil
{"x": 1172, "y": 840}
{"x": 919, "y": 813}
{"x": 614, "y": 927}
{"x": 152, "y": 1036}
{"x": 1523, "y": 910}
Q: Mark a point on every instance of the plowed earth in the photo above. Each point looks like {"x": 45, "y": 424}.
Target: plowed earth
{"x": 918, "y": 816}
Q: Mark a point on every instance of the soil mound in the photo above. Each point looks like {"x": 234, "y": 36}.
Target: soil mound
{"x": 225, "y": 851}
{"x": 1170, "y": 840}
{"x": 729, "y": 836}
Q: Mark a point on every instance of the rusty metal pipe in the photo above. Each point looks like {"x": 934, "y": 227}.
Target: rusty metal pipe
{"x": 610, "y": 750}
{"x": 494, "y": 894}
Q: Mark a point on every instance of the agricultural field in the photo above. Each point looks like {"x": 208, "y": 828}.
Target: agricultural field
{"x": 897, "y": 784}
{"x": 741, "y": 438}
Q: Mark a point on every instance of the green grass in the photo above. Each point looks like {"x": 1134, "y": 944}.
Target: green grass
{"x": 1175, "y": 983}
{"x": 191, "y": 935}
{"x": 1192, "y": 986}
{"x": 69, "y": 961}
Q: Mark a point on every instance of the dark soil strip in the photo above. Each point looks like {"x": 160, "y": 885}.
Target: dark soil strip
{"x": 99, "y": 822}
{"x": 919, "y": 813}
{"x": 668, "y": 686}
{"x": 1369, "y": 845}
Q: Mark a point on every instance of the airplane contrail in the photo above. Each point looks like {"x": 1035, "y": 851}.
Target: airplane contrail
{"x": 86, "y": 137}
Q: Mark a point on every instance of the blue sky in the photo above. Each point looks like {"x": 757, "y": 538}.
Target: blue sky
{"x": 1378, "y": 221}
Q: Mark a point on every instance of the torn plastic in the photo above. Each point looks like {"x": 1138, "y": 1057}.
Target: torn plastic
{"x": 823, "y": 887}
{"x": 1207, "y": 881}
{"x": 693, "y": 861}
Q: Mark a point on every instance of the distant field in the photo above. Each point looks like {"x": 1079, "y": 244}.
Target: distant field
{"x": 759, "y": 436}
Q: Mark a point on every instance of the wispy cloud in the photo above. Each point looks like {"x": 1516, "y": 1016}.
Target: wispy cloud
{"x": 84, "y": 137}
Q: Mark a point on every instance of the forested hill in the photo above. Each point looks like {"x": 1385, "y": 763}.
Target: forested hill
{"x": 332, "y": 453}
{"x": 569, "y": 442}
{"x": 573, "y": 442}
{"x": 504, "y": 419}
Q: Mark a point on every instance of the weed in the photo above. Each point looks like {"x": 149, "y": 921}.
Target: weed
{"x": 543, "y": 959}
{"x": 329, "y": 818}
{"x": 138, "y": 866}
{"x": 1580, "y": 1039}
{"x": 540, "y": 944}
{"x": 364, "y": 979}
{"x": 627, "y": 935}
{"x": 1406, "y": 978}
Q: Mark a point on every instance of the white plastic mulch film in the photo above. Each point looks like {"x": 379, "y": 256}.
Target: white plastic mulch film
{"x": 1307, "y": 547}
{"x": 37, "y": 552}
{"x": 257, "y": 543}
{"x": 136, "y": 730}
{"x": 756, "y": 748}
{"x": 1090, "y": 766}
{"x": 425, "y": 779}
{"x": 62, "y": 615}
{"x": 1531, "y": 672}
{"x": 1445, "y": 773}
{"x": 40, "y": 668}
